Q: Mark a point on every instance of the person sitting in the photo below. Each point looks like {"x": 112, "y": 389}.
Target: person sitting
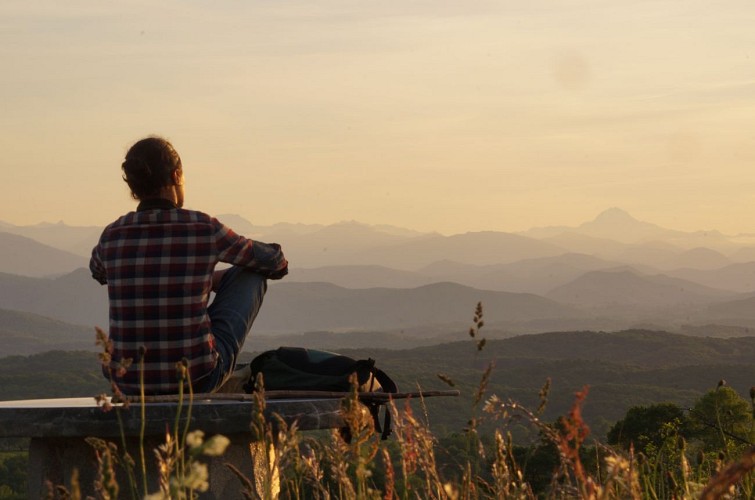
{"x": 159, "y": 264}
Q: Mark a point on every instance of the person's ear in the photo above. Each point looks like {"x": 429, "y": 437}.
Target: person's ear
{"x": 177, "y": 177}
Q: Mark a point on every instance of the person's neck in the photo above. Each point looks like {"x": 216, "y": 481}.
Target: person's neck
{"x": 156, "y": 203}
{"x": 170, "y": 193}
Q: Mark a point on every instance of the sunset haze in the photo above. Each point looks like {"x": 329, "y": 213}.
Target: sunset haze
{"x": 431, "y": 115}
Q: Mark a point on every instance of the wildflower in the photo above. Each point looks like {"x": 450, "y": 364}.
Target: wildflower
{"x": 194, "y": 439}
{"x": 105, "y": 358}
{"x": 196, "y": 479}
{"x": 103, "y": 402}
{"x": 121, "y": 366}
{"x": 215, "y": 446}
{"x": 101, "y": 338}
{"x": 616, "y": 464}
{"x": 451, "y": 491}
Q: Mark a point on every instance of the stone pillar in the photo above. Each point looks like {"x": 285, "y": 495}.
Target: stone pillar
{"x": 58, "y": 429}
{"x": 52, "y": 461}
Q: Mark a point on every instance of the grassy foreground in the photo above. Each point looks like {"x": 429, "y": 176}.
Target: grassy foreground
{"x": 674, "y": 459}
{"x": 410, "y": 465}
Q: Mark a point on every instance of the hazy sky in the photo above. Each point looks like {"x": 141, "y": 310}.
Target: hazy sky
{"x": 434, "y": 115}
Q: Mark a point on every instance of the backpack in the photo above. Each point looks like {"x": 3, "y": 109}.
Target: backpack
{"x": 296, "y": 368}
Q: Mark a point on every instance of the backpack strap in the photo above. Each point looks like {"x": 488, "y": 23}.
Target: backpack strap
{"x": 389, "y": 386}
{"x": 385, "y": 381}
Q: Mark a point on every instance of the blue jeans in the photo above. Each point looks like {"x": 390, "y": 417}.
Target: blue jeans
{"x": 237, "y": 301}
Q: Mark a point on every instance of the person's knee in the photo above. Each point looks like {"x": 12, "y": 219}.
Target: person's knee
{"x": 259, "y": 281}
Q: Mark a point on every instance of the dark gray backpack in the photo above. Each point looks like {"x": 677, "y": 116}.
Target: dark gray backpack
{"x": 296, "y": 368}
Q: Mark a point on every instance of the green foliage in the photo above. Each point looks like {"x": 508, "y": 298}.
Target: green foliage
{"x": 645, "y": 426}
{"x": 679, "y": 451}
{"x": 13, "y": 474}
{"x": 723, "y": 420}
{"x": 624, "y": 369}
{"x": 539, "y": 463}
{"x": 54, "y": 374}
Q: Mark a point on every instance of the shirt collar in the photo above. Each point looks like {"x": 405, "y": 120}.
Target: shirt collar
{"x": 155, "y": 204}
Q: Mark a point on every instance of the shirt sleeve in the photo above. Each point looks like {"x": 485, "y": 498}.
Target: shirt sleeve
{"x": 266, "y": 259}
{"x": 97, "y": 267}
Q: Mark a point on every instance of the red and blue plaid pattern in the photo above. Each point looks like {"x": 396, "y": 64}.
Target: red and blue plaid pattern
{"x": 158, "y": 266}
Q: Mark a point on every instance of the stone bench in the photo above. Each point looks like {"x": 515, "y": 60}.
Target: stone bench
{"x": 58, "y": 428}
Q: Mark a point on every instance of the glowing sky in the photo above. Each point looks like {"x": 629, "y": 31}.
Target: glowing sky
{"x": 434, "y": 115}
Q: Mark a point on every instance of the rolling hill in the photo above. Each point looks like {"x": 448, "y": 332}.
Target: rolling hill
{"x": 480, "y": 248}
{"x": 737, "y": 277}
{"x": 359, "y": 276}
{"x": 734, "y": 310}
{"x": 291, "y": 307}
{"x": 78, "y": 240}
{"x": 298, "y": 307}
{"x": 74, "y": 298}
{"x": 25, "y": 333}
{"x": 628, "y": 288}
{"x": 534, "y": 275}
{"x": 335, "y": 244}
{"x": 27, "y": 257}
{"x": 622, "y": 369}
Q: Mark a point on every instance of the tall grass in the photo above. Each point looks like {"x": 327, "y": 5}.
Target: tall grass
{"x": 353, "y": 463}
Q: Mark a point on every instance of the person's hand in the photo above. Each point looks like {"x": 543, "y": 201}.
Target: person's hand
{"x": 270, "y": 261}
{"x": 276, "y": 275}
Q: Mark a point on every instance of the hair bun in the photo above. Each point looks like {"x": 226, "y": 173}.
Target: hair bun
{"x": 137, "y": 166}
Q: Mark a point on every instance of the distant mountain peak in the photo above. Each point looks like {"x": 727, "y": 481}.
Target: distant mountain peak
{"x": 615, "y": 215}
{"x": 618, "y": 225}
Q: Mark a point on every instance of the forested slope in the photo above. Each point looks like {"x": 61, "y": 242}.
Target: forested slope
{"x": 622, "y": 370}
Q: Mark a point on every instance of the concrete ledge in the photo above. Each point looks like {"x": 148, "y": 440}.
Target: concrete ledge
{"x": 70, "y": 417}
{"x": 58, "y": 428}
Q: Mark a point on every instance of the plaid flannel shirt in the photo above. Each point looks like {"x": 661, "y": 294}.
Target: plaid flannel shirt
{"x": 158, "y": 264}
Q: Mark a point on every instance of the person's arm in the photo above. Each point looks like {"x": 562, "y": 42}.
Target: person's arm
{"x": 266, "y": 259}
{"x": 97, "y": 267}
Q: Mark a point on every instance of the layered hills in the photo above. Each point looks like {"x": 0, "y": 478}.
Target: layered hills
{"x": 28, "y": 257}
{"x": 603, "y": 305}
{"x": 611, "y": 273}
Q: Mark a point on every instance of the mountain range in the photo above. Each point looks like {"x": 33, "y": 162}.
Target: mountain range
{"x": 613, "y": 232}
{"x": 610, "y": 273}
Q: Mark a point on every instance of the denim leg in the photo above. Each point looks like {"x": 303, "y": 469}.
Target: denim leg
{"x": 232, "y": 312}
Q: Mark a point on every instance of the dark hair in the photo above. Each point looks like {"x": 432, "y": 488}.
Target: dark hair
{"x": 149, "y": 167}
